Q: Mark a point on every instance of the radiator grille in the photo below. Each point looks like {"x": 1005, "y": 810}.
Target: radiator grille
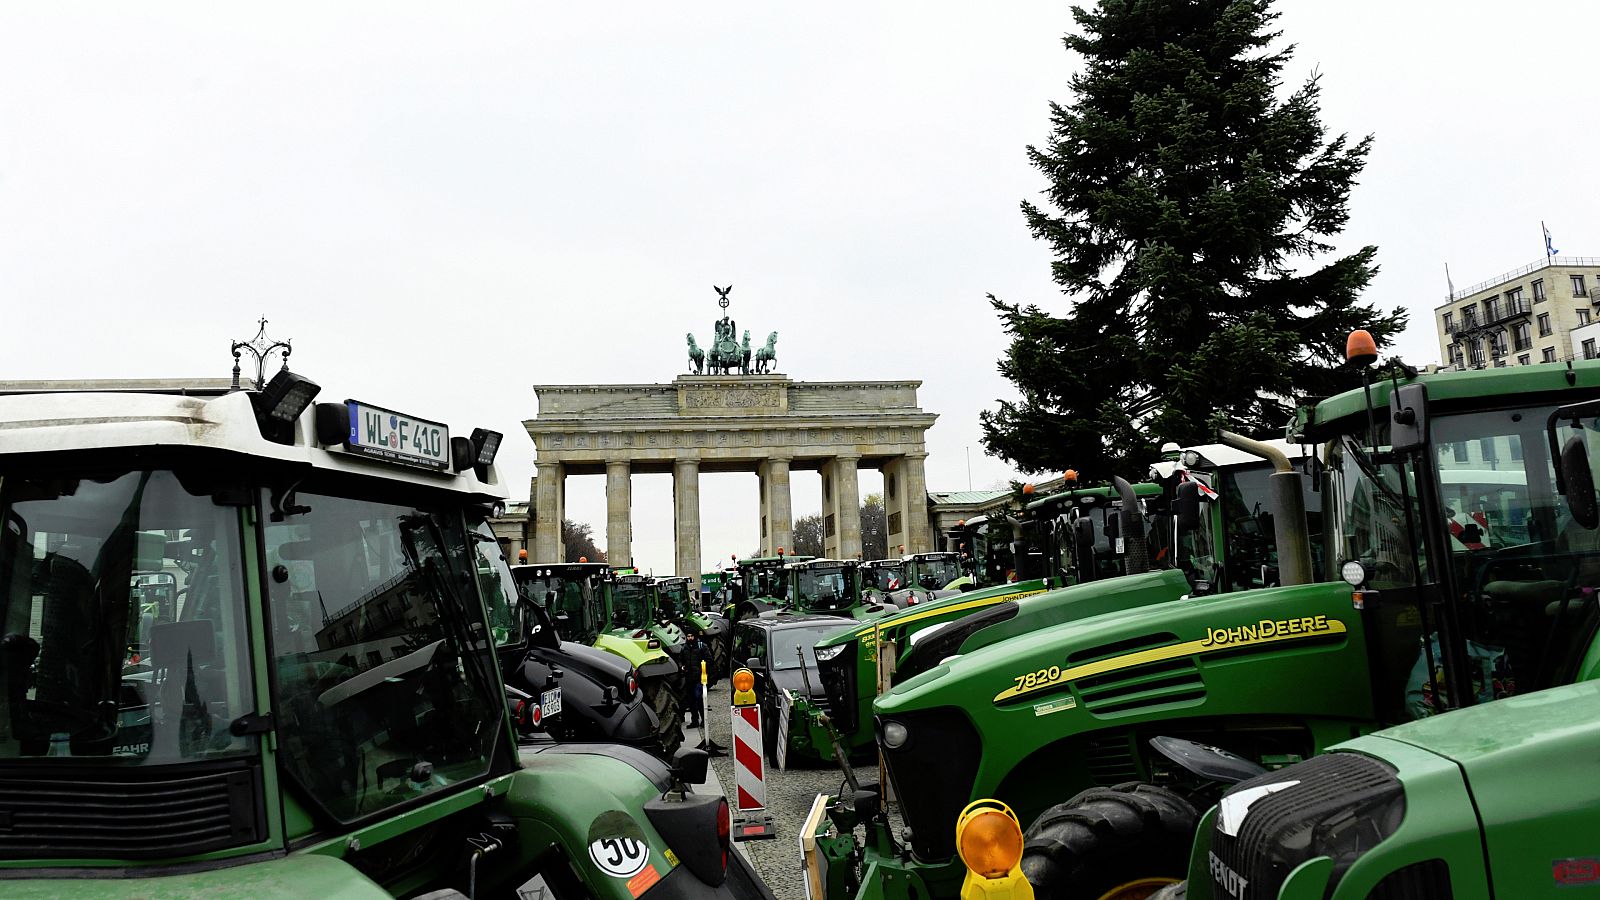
{"x": 125, "y": 812}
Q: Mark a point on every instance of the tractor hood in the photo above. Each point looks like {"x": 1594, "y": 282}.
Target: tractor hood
{"x": 1532, "y": 764}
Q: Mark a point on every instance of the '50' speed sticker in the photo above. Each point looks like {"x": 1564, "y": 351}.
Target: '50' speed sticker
{"x": 619, "y": 857}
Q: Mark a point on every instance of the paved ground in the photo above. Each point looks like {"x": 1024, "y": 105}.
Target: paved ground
{"x": 789, "y": 796}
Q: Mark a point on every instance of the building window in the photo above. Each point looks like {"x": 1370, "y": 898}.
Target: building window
{"x": 1449, "y": 323}
{"x": 1497, "y": 343}
{"x": 1588, "y": 349}
{"x": 1544, "y": 324}
{"x": 1524, "y": 359}
{"x": 1454, "y": 352}
{"x": 1583, "y": 317}
{"x": 1538, "y": 290}
{"x": 1549, "y": 355}
{"x": 1520, "y": 337}
{"x": 1469, "y": 317}
{"x": 1475, "y": 354}
{"x": 1491, "y": 308}
{"x": 1577, "y": 287}
{"x": 1513, "y": 295}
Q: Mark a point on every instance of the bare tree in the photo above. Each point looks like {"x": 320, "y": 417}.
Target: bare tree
{"x": 874, "y": 528}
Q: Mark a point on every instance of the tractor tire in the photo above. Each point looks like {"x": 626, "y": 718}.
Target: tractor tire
{"x": 1118, "y": 843}
{"x": 664, "y": 699}
{"x": 1179, "y": 891}
{"x": 719, "y": 659}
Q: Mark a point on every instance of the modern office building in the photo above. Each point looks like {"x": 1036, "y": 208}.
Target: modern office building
{"x": 1525, "y": 316}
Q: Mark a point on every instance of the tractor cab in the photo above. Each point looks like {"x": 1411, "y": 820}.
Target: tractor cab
{"x": 575, "y": 595}
{"x": 250, "y": 645}
{"x": 984, "y": 546}
{"x": 882, "y": 576}
{"x": 830, "y": 586}
{"x": 1077, "y": 535}
{"x": 931, "y": 571}
{"x": 762, "y": 585}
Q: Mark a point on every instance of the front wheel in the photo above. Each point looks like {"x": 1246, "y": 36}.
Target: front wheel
{"x": 1119, "y": 843}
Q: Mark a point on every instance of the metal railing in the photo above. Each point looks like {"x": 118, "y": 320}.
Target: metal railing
{"x": 1547, "y": 262}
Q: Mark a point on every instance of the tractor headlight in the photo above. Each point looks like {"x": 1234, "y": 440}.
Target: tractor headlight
{"x": 826, "y": 653}
{"x": 894, "y": 735}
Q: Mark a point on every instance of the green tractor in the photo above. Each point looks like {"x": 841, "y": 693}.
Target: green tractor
{"x": 580, "y": 599}
{"x": 832, "y": 587}
{"x": 762, "y": 585}
{"x": 317, "y": 709}
{"x": 1496, "y": 797}
{"x": 1450, "y": 577}
{"x": 674, "y": 597}
{"x": 1204, "y": 498}
{"x": 882, "y": 577}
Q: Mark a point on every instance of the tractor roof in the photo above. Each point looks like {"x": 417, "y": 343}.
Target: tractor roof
{"x": 1479, "y": 388}
{"x": 51, "y": 421}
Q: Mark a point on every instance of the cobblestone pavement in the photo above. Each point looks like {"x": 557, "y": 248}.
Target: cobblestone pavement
{"x": 789, "y": 796}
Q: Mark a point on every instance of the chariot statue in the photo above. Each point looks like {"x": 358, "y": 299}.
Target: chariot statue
{"x": 728, "y": 352}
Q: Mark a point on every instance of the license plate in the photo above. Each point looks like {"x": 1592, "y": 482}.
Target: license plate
{"x": 397, "y": 437}
{"x": 551, "y": 701}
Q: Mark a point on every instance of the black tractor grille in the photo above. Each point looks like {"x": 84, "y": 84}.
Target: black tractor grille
{"x": 839, "y": 683}
{"x": 1330, "y": 804}
{"x": 933, "y": 774}
{"x": 1428, "y": 880}
{"x": 128, "y": 812}
{"x": 1109, "y": 759}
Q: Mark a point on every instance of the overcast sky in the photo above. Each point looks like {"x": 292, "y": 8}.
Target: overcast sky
{"x": 443, "y": 204}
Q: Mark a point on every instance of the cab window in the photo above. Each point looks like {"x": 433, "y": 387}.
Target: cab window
{"x": 385, "y": 687}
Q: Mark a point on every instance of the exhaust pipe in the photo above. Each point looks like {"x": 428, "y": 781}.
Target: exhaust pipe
{"x": 1136, "y": 547}
{"x": 1288, "y": 509}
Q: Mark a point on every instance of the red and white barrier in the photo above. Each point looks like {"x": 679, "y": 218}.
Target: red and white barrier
{"x": 749, "y": 809}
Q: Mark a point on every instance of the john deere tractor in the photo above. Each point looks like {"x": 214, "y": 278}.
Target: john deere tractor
{"x": 1496, "y": 797}
{"x": 318, "y": 711}
{"x": 832, "y": 587}
{"x": 1181, "y": 521}
{"x": 762, "y": 584}
{"x": 579, "y": 598}
{"x": 1451, "y": 577}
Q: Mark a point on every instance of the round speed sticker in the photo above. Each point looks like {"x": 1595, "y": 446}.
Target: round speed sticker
{"x": 619, "y": 857}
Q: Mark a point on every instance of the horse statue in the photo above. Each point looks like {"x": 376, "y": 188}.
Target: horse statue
{"x": 744, "y": 354}
{"x": 697, "y": 357}
{"x": 767, "y": 357}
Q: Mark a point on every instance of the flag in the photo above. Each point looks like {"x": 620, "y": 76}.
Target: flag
{"x": 1448, "y": 283}
{"x": 1549, "y": 248}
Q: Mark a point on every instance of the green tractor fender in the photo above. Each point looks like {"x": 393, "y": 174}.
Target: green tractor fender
{"x": 631, "y": 650}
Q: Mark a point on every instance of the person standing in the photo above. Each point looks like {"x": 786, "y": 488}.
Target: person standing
{"x": 696, "y": 657}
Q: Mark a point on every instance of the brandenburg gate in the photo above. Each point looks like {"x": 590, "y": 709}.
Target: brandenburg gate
{"x": 761, "y": 423}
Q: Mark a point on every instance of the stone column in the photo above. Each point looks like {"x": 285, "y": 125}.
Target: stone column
{"x": 686, "y": 506}
{"x": 846, "y": 505}
{"x": 549, "y": 496}
{"x": 914, "y": 490}
{"x": 776, "y": 510}
{"x": 619, "y": 512}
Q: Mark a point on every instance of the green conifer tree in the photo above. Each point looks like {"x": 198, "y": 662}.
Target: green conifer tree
{"x": 1188, "y": 204}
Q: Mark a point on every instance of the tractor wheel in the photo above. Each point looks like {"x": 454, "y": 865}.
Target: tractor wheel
{"x": 719, "y": 659}
{"x": 661, "y": 696}
{"x": 1179, "y": 891}
{"x": 1118, "y": 843}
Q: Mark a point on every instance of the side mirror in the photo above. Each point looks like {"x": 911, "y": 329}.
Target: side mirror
{"x": 752, "y": 663}
{"x": 1579, "y": 480}
{"x": 1084, "y": 533}
{"x": 1408, "y": 417}
{"x": 1113, "y": 525}
{"x": 690, "y": 763}
{"x": 1186, "y": 506}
